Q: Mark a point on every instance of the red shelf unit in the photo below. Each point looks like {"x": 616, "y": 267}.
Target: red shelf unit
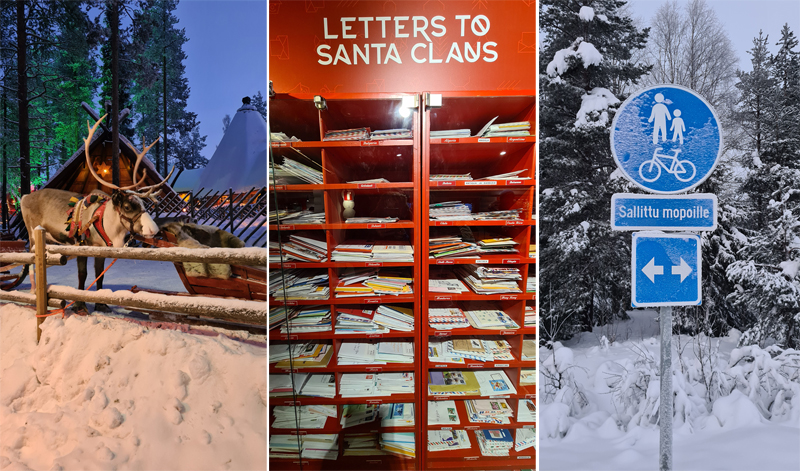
{"x": 399, "y": 162}
{"x": 481, "y": 157}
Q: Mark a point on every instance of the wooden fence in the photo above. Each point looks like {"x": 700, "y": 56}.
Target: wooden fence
{"x": 248, "y": 312}
{"x": 242, "y": 214}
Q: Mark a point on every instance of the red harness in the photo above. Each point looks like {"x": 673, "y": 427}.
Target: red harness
{"x": 98, "y": 223}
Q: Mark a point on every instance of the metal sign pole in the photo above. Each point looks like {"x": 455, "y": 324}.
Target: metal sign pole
{"x": 666, "y": 405}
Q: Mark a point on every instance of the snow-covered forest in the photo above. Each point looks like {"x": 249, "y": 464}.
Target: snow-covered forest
{"x": 737, "y": 354}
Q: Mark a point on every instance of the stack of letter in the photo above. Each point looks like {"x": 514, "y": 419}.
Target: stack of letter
{"x": 399, "y": 444}
{"x": 312, "y": 446}
{"x": 441, "y": 440}
{"x": 302, "y": 417}
{"x": 489, "y": 411}
{"x": 356, "y": 134}
{"x": 442, "y": 413}
{"x": 486, "y": 279}
{"x": 447, "y": 318}
{"x": 494, "y": 442}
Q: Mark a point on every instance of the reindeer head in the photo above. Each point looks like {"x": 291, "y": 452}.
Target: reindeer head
{"x": 128, "y": 200}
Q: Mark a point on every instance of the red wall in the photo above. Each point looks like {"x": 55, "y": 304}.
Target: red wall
{"x": 497, "y": 48}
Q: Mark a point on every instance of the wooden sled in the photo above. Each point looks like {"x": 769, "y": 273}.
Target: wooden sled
{"x": 9, "y": 280}
{"x": 245, "y": 282}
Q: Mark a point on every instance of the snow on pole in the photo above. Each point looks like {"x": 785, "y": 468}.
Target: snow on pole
{"x": 250, "y": 256}
{"x": 665, "y": 395}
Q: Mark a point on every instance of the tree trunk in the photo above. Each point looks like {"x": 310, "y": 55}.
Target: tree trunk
{"x": 114, "y": 19}
{"x": 164, "y": 78}
{"x": 5, "y": 166}
{"x": 22, "y": 98}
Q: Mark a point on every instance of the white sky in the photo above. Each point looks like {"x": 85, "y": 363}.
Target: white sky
{"x": 742, "y": 19}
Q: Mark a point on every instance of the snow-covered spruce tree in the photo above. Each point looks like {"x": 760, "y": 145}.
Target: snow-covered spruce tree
{"x": 766, "y": 277}
{"x": 587, "y": 47}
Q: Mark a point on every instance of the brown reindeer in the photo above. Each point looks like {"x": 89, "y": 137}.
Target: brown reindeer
{"x": 72, "y": 219}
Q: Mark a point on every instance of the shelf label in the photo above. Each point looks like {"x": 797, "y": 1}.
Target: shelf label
{"x": 442, "y": 334}
{"x": 374, "y": 401}
{"x": 529, "y": 426}
{"x": 444, "y": 262}
{"x": 373, "y": 301}
{"x": 442, "y": 223}
{"x": 291, "y": 403}
{"x": 288, "y": 337}
{"x": 471, "y": 427}
{"x": 366, "y": 185}
{"x": 298, "y": 432}
{"x": 530, "y": 396}
{"x": 447, "y": 428}
{"x": 514, "y": 182}
{"x": 501, "y": 365}
{"x": 476, "y": 365}
{"x": 484, "y": 139}
{"x": 374, "y": 461}
{"x": 289, "y": 265}
{"x": 450, "y": 141}
{"x": 374, "y": 264}
{"x": 374, "y": 369}
{"x": 523, "y": 457}
{"x": 445, "y": 183}
{"x": 471, "y": 458}
{"x": 280, "y": 144}
{"x": 278, "y": 187}
{"x": 290, "y": 303}
{"x": 376, "y": 226}
{"x": 303, "y": 463}
{"x": 500, "y": 397}
{"x": 440, "y": 366}
{"x": 286, "y": 227}
{"x": 374, "y": 336}
{"x": 514, "y": 223}
{"x": 442, "y": 298}
{"x": 508, "y": 298}
{"x": 480, "y": 182}
{"x": 508, "y": 332}
{"x": 442, "y": 398}
{"x": 481, "y": 260}
{"x": 515, "y": 139}
{"x": 510, "y": 260}
{"x": 370, "y": 143}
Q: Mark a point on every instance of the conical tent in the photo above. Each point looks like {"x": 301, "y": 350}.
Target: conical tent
{"x": 240, "y": 161}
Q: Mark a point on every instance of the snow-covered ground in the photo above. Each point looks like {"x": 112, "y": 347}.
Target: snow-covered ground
{"x": 105, "y": 393}
{"x": 604, "y": 415}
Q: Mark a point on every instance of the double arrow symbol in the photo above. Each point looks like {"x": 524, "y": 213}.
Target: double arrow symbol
{"x": 651, "y": 270}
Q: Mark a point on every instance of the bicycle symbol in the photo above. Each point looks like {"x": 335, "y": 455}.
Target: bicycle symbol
{"x": 683, "y": 170}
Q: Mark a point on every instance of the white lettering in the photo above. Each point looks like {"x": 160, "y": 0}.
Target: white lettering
{"x": 357, "y": 52}
{"x": 455, "y": 55}
{"x": 378, "y": 47}
{"x": 430, "y": 55}
{"x": 462, "y": 18}
{"x": 442, "y": 29}
{"x": 478, "y": 26}
{"x": 383, "y": 20}
{"x": 323, "y": 54}
{"x": 346, "y": 28}
{"x": 325, "y": 29}
{"x": 476, "y": 54}
{"x": 414, "y": 56}
{"x": 398, "y": 26}
{"x": 341, "y": 55}
{"x": 421, "y": 30}
{"x": 392, "y": 54}
{"x": 366, "y": 20}
{"x": 488, "y": 51}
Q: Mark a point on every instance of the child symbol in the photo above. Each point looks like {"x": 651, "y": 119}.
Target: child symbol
{"x": 661, "y": 114}
{"x": 677, "y": 127}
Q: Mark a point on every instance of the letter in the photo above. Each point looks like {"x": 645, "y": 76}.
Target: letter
{"x": 328, "y": 57}
{"x": 398, "y": 26}
{"x": 488, "y": 51}
{"x": 655, "y": 213}
{"x": 414, "y": 56}
{"x": 346, "y": 28}
{"x": 430, "y": 55}
{"x": 683, "y": 213}
{"x": 621, "y": 210}
{"x": 383, "y": 20}
{"x": 705, "y": 213}
{"x": 417, "y": 29}
{"x": 366, "y": 20}
{"x": 395, "y": 56}
{"x": 462, "y": 18}
{"x": 341, "y": 54}
{"x": 456, "y": 56}
{"x": 357, "y": 52}
{"x": 325, "y": 29}
{"x": 480, "y": 29}
{"x": 378, "y": 46}
{"x": 476, "y": 54}
{"x": 442, "y": 29}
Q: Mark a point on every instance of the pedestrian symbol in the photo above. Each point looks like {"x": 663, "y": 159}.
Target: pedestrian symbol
{"x": 649, "y": 156}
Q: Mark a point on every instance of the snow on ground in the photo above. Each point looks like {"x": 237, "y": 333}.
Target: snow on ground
{"x": 599, "y": 430}
{"x": 104, "y": 393}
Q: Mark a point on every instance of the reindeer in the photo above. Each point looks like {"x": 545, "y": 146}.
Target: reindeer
{"x": 91, "y": 221}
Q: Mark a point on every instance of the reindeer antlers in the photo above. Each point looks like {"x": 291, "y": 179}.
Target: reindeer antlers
{"x": 137, "y": 182}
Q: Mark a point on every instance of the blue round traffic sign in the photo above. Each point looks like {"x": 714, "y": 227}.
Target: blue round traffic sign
{"x": 666, "y": 139}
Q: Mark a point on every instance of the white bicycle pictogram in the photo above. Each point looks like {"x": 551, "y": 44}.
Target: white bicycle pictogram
{"x": 683, "y": 170}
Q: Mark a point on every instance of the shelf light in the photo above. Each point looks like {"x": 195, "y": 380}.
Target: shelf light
{"x": 320, "y": 102}
{"x": 503, "y": 153}
{"x": 399, "y": 155}
{"x": 410, "y": 102}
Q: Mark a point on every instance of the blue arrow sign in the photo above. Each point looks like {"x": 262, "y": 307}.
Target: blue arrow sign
{"x": 665, "y": 270}
{"x": 666, "y": 139}
{"x": 696, "y": 212}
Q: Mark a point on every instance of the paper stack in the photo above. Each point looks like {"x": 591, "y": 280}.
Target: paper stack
{"x": 312, "y": 446}
{"x": 494, "y": 383}
{"x": 519, "y": 128}
{"x": 454, "y": 176}
{"x": 373, "y": 283}
{"x": 525, "y": 438}
{"x": 394, "y": 383}
{"x": 527, "y": 411}
{"x": 382, "y": 353}
{"x": 489, "y": 411}
{"x": 395, "y": 318}
{"x": 357, "y": 414}
{"x": 320, "y": 385}
{"x": 308, "y": 355}
{"x": 442, "y": 440}
{"x": 282, "y": 137}
{"x": 397, "y": 415}
{"x": 393, "y": 253}
{"x": 357, "y": 321}
{"x": 531, "y": 284}
{"x": 281, "y": 384}
{"x": 530, "y": 316}
{"x": 302, "y": 417}
{"x": 297, "y": 284}
{"x": 494, "y": 442}
{"x": 527, "y": 378}
{"x": 498, "y": 245}
{"x": 450, "y": 211}
{"x": 490, "y": 319}
{"x": 508, "y": 214}
{"x": 352, "y": 252}
{"x": 371, "y": 180}
{"x": 485, "y": 279}
{"x": 453, "y": 247}
{"x": 278, "y": 315}
{"x": 437, "y": 353}
{"x": 305, "y": 249}
{"x": 447, "y": 318}
{"x": 480, "y": 350}
{"x": 438, "y": 284}
{"x": 453, "y": 383}
{"x": 529, "y": 350}
{"x": 304, "y": 217}
{"x": 356, "y": 134}
{"x": 400, "y": 444}
{"x": 370, "y": 220}
{"x": 311, "y": 319}
{"x": 303, "y": 172}
{"x": 442, "y": 413}
{"x": 362, "y": 444}
{"x": 532, "y": 250}
{"x": 450, "y": 133}
{"x": 358, "y": 384}
{"x": 390, "y": 134}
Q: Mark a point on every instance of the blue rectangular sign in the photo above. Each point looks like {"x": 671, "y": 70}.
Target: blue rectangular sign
{"x": 666, "y": 269}
{"x": 697, "y": 212}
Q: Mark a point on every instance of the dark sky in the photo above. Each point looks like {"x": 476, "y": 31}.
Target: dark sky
{"x": 227, "y": 58}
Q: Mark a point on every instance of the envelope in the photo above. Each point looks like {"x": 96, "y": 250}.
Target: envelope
{"x": 279, "y": 47}
{"x": 528, "y": 43}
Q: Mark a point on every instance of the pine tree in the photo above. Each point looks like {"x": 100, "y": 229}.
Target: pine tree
{"x": 586, "y": 55}
{"x": 189, "y": 148}
{"x": 261, "y": 104}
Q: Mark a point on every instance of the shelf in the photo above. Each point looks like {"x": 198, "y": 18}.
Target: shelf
{"x": 338, "y": 400}
{"x": 290, "y": 265}
{"x": 465, "y": 424}
{"x": 342, "y": 186}
{"x": 437, "y": 185}
{"x": 505, "y": 259}
{"x": 500, "y": 223}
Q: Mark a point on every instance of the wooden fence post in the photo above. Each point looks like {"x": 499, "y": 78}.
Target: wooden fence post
{"x": 40, "y": 285}
{"x": 230, "y": 206}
